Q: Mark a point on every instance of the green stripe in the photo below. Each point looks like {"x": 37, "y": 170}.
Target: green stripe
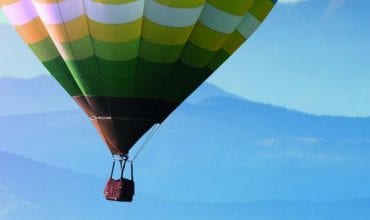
{"x": 261, "y": 8}
{"x": 44, "y": 50}
{"x": 117, "y": 51}
{"x": 218, "y": 60}
{"x": 119, "y": 88}
{"x": 144, "y": 81}
{"x": 135, "y": 78}
{"x": 151, "y": 78}
{"x": 153, "y": 71}
{"x": 79, "y": 49}
{"x": 196, "y": 56}
{"x": 117, "y": 69}
{"x": 60, "y": 72}
{"x": 159, "y": 53}
{"x": 184, "y": 80}
{"x": 87, "y": 74}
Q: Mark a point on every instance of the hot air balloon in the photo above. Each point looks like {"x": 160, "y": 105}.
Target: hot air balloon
{"x": 129, "y": 63}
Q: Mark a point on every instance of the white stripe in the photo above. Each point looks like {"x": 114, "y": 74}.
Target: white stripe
{"x": 58, "y": 13}
{"x": 170, "y": 16}
{"x": 248, "y": 26}
{"x": 218, "y": 20}
{"x": 114, "y": 14}
{"x": 21, "y": 12}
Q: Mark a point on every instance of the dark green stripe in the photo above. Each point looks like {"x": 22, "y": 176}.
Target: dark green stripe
{"x": 137, "y": 78}
{"x": 183, "y": 81}
{"x": 218, "y": 59}
{"x": 159, "y": 53}
{"x": 59, "y": 70}
{"x": 87, "y": 74}
{"x": 196, "y": 56}
{"x": 117, "y": 69}
{"x": 150, "y": 78}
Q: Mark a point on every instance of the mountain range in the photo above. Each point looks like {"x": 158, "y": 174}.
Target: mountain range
{"x": 217, "y": 156}
{"x": 32, "y": 190}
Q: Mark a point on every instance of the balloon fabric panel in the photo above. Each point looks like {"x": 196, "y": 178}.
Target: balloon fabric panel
{"x": 130, "y": 63}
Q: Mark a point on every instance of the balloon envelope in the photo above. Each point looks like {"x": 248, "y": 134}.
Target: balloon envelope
{"x": 130, "y": 63}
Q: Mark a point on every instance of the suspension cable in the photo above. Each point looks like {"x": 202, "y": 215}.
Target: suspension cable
{"x": 151, "y": 133}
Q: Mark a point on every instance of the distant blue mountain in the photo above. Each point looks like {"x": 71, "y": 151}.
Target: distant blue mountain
{"x": 44, "y": 94}
{"x": 32, "y": 190}
{"x": 37, "y": 95}
{"x": 216, "y": 147}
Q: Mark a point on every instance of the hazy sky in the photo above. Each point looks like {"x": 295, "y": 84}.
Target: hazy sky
{"x": 309, "y": 55}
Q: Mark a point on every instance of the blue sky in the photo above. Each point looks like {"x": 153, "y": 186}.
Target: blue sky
{"x": 310, "y": 55}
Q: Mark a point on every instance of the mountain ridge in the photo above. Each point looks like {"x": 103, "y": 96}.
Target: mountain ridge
{"x": 215, "y": 133}
{"x": 260, "y": 146}
{"x": 43, "y": 89}
{"x": 79, "y": 197}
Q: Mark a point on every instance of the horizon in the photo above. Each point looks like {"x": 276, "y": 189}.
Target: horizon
{"x": 293, "y": 150}
{"x": 199, "y": 90}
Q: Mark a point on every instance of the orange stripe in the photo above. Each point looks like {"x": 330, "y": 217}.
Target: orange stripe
{"x": 69, "y": 31}
{"x": 7, "y": 2}
{"x": 33, "y": 31}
